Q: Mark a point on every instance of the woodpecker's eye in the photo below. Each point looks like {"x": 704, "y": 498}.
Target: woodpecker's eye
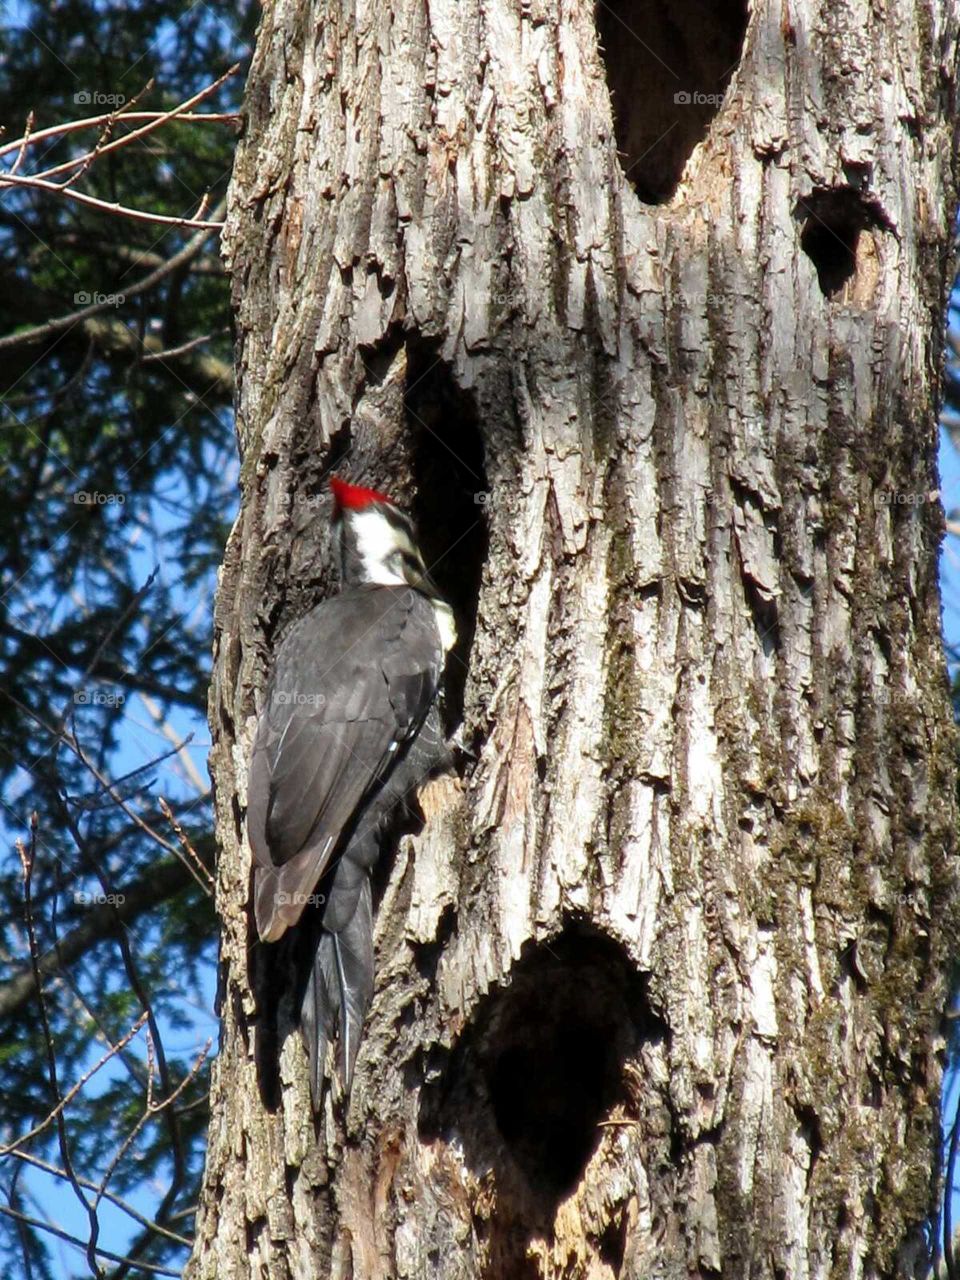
{"x": 407, "y": 565}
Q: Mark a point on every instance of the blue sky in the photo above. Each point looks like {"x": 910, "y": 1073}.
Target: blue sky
{"x": 179, "y": 779}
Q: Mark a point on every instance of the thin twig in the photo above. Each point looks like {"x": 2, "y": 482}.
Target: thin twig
{"x": 182, "y": 837}
{"x": 97, "y": 122}
{"x": 129, "y": 1060}
{"x": 149, "y": 1112}
{"x": 150, "y": 1267}
{"x": 138, "y": 988}
{"x": 105, "y": 134}
{"x": 27, "y": 860}
{"x": 129, "y": 783}
{"x": 23, "y": 1236}
{"x": 112, "y": 1196}
{"x": 157, "y": 123}
{"x": 72, "y": 744}
{"x": 104, "y": 206}
{"x": 131, "y": 813}
{"x": 24, "y": 143}
{"x": 129, "y": 609}
{"x": 156, "y": 883}
{"x": 157, "y": 1107}
{"x": 172, "y": 352}
{"x": 11, "y": 1147}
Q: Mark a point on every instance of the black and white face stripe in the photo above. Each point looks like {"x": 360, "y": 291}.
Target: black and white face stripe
{"x": 377, "y": 546}
{"x": 380, "y": 543}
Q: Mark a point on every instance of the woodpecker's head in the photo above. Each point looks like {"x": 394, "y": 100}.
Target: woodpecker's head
{"x": 378, "y": 546}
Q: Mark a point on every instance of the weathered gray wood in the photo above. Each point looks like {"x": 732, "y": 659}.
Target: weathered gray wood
{"x": 707, "y": 670}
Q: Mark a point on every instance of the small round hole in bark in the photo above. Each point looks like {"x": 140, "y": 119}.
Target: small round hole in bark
{"x": 832, "y": 248}
{"x": 668, "y": 68}
{"x": 832, "y": 223}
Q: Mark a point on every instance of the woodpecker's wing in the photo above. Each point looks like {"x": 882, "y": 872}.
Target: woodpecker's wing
{"x": 352, "y": 682}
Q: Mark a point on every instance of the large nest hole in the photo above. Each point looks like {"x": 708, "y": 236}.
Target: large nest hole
{"x": 668, "y": 68}
{"x": 542, "y": 1064}
{"x": 448, "y": 466}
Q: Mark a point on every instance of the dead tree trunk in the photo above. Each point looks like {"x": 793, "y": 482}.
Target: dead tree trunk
{"x": 642, "y": 315}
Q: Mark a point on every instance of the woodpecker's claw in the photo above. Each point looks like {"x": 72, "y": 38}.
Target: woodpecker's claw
{"x": 458, "y": 745}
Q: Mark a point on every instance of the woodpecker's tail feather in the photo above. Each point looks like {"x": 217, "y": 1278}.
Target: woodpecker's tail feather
{"x": 353, "y": 949}
{"x": 338, "y": 993}
{"x": 318, "y": 1012}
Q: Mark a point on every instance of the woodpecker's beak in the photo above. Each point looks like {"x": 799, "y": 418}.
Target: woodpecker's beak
{"x": 420, "y": 580}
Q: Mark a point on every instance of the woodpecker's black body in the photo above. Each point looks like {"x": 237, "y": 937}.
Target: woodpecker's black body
{"x": 350, "y": 726}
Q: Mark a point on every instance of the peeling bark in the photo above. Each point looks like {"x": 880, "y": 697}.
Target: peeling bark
{"x": 659, "y": 983}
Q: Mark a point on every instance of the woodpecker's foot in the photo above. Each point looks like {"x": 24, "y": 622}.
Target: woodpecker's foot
{"x": 439, "y": 795}
{"x": 457, "y": 745}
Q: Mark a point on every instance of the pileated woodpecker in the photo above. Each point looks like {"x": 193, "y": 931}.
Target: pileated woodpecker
{"x": 349, "y": 727}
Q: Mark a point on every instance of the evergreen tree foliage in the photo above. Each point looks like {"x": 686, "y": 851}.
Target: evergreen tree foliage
{"x": 118, "y": 474}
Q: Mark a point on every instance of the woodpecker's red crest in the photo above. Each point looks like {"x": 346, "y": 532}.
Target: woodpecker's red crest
{"x": 353, "y": 497}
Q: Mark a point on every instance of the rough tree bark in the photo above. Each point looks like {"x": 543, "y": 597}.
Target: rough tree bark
{"x": 659, "y": 985}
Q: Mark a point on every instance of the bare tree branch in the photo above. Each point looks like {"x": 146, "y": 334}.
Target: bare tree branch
{"x": 129, "y": 1209}
{"x": 70, "y": 741}
{"x": 157, "y": 884}
{"x": 96, "y": 122}
{"x": 171, "y": 1120}
{"x": 149, "y": 1111}
{"x": 104, "y": 669}
{"x": 77, "y": 166}
{"x": 40, "y": 332}
{"x": 64, "y": 1101}
{"x": 155, "y": 120}
{"x": 105, "y": 206}
{"x": 182, "y": 837}
{"x": 28, "y": 861}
